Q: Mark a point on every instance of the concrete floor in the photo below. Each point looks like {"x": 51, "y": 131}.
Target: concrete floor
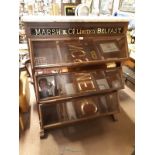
{"x": 100, "y": 136}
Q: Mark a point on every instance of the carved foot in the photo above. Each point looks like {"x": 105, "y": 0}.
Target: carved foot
{"x": 43, "y": 134}
{"x": 114, "y": 117}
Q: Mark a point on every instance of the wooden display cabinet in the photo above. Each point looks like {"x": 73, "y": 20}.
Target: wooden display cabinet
{"x": 76, "y": 67}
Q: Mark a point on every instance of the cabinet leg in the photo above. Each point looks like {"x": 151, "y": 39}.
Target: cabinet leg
{"x": 43, "y": 134}
{"x": 114, "y": 117}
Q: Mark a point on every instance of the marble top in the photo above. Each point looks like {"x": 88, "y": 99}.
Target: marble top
{"x": 74, "y": 19}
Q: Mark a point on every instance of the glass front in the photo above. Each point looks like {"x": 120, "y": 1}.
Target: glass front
{"x": 79, "y": 108}
{"x": 67, "y": 52}
{"x": 78, "y": 83}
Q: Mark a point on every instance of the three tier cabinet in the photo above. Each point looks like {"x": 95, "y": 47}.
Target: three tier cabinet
{"x": 76, "y": 67}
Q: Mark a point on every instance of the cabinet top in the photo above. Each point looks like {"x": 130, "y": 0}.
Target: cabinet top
{"x": 74, "y": 19}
